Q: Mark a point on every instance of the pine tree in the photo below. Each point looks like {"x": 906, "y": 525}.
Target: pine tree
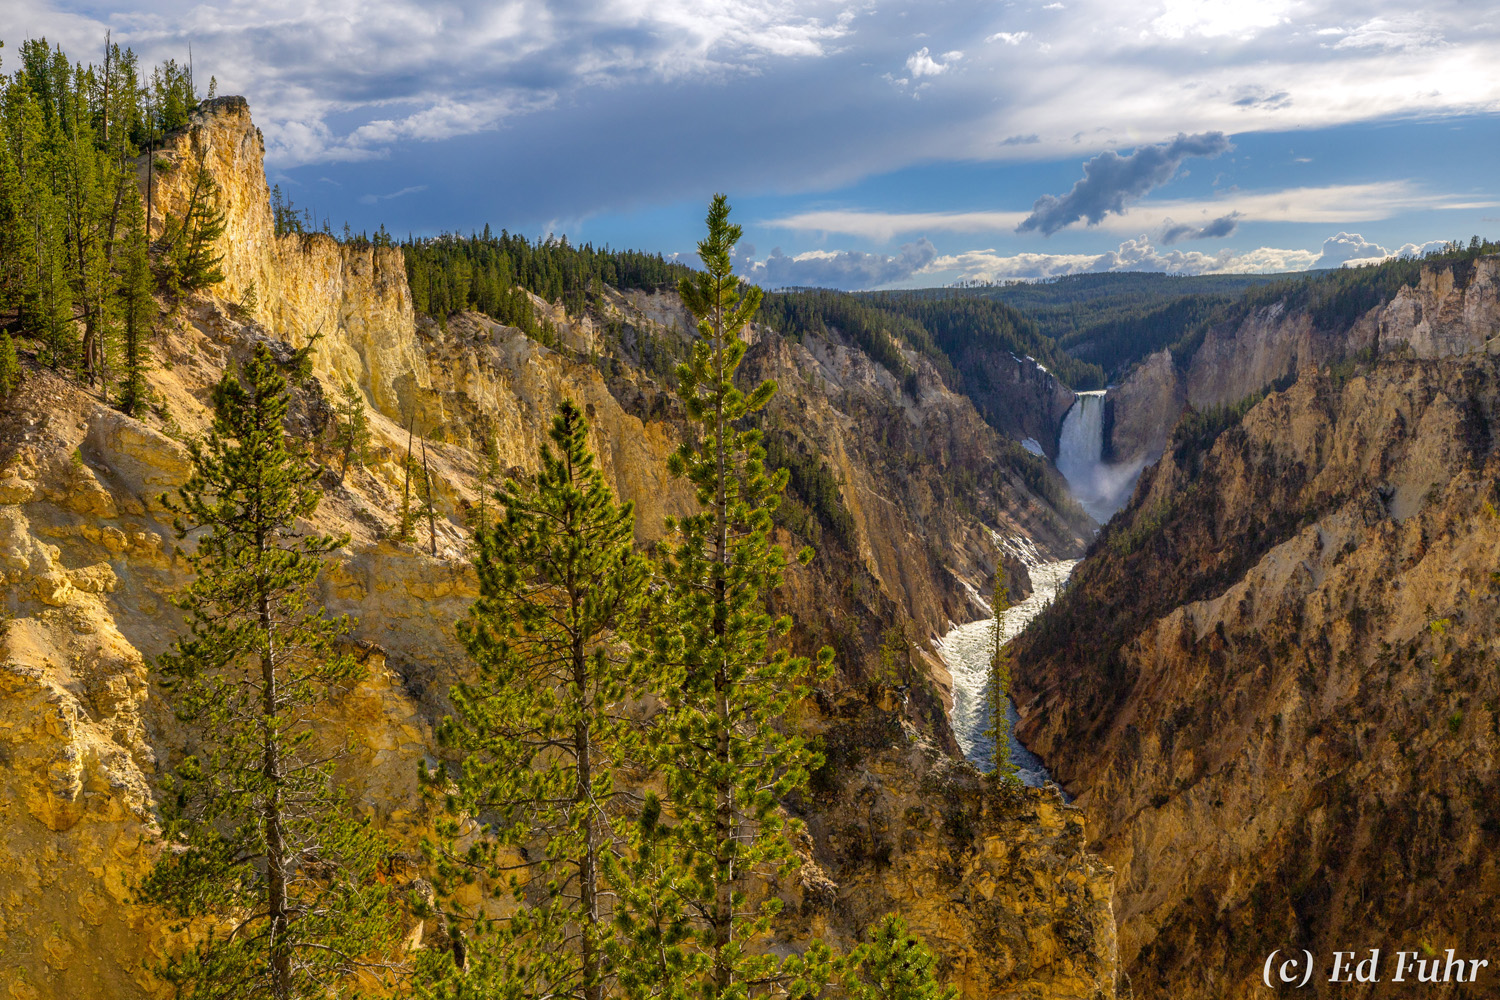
{"x": 190, "y": 261}
{"x": 897, "y": 966}
{"x": 137, "y": 309}
{"x": 259, "y": 844}
{"x": 727, "y": 765}
{"x": 489, "y": 478}
{"x": 10, "y": 366}
{"x": 999, "y": 730}
{"x": 405, "y": 523}
{"x": 542, "y": 731}
{"x": 351, "y": 433}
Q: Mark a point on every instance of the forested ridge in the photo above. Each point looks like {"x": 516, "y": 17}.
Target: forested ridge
{"x": 78, "y": 264}
{"x": 490, "y": 274}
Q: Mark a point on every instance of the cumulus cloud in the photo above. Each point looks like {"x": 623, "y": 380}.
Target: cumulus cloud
{"x": 846, "y": 269}
{"x": 1344, "y": 247}
{"x": 1354, "y": 243}
{"x": 1224, "y": 225}
{"x": 1109, "y": 180}
{"x": 920, "y": 63}
{"x": 1009, "y": 37}
{"x": 1140, "y": 254}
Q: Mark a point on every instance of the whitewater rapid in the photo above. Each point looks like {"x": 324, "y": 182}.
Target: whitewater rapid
{"x": 966, "y": 651}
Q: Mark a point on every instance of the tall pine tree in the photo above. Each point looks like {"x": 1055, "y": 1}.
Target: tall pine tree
{"x": 543, "y": 731}
{"x": 999, "y": 693}
{"x": 137, "y": 309}
{"x": 726, "y": 761}
{"x": 351, "y": 429}
{"x": 259, "y": 843}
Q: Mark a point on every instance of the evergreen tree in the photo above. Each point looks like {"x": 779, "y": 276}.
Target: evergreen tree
{"x": 999, "y": 730}
{"x": 542, "y": 731}
{"x": 898, "y": 966}
{"x": 490, "y": 477}
{"x": 189, "y": 260}
{"x": 10, "y": 366}
{"x": 351, "y": 433}
{"x": 137, "y": 311}
{"x": 726, "y": 763}
{"x": 260, "y": 844}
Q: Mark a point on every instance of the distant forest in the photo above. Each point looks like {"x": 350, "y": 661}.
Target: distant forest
{"x": 1086, "y": 329}
{"x": 491, "y": 274}
{"x": 487, "y": 272}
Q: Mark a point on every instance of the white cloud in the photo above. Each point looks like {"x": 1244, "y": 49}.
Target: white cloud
{"x": 1349, "y": 246}
{"x": 1338, "y": 204}
{"x": 1400, "y": 32}
{"x": 920, "y": 63}
{"x": 1009, "y": 37}
{"x": 847, "y": 269}
{"x": 1407, "y": 250}
{"x": 1132, "y": 255}
{"x": 1139, "y": 254}
{"x": 1219, "y": 18}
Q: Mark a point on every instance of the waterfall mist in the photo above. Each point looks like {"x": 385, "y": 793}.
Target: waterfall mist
{"x": 1101, "y": 488}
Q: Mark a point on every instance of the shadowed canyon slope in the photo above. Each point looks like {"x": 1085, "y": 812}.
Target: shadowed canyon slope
{"x": 1000, "y": 886}
{"x": 1272, "y": 682}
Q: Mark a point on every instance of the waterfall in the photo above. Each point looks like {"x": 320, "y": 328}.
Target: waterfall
{"x": 1099, "y": 487}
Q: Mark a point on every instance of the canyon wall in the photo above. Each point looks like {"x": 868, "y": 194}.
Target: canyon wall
{"x": 1271, "y": 684}
{"x": 1451, "y": 311}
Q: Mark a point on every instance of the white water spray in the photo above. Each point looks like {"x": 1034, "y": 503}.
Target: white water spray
{"x": 1100, "y": 488}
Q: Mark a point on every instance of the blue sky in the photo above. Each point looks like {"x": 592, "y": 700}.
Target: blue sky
{"x": 867, "y": 144}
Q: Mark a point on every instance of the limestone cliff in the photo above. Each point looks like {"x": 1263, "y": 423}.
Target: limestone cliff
{"x": 1454, "y": 309}
{"x": 88, "y": 564}
{"x": 1272, "y": 684}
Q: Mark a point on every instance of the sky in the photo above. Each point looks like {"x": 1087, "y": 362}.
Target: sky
{"x": 865, "y": 144}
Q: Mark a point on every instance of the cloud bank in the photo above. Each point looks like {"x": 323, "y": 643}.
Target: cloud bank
{"x": 1109, "y": 180}
{"x": 919, "y": 263}
{"x": 847, "y": 269}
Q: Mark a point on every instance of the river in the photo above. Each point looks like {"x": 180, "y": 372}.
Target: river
{"x": 966, "y": 651}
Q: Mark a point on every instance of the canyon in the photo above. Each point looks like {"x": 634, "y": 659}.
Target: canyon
{"x": 1265, "y": 681}
{"x": 996, "y": 881}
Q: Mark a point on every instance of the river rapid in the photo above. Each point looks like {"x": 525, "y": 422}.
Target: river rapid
{"x": 966, "y": 651}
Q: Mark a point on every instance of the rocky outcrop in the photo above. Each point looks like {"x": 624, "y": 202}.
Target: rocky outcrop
{"x": 997, "y": 881}
{"x": 1142, "y": 410}
{"x": 1271, "y": 684}
{"x": 1453, "y": 310}
{"x": 1018, "y": 396}
{"x": 354, "y": 298}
